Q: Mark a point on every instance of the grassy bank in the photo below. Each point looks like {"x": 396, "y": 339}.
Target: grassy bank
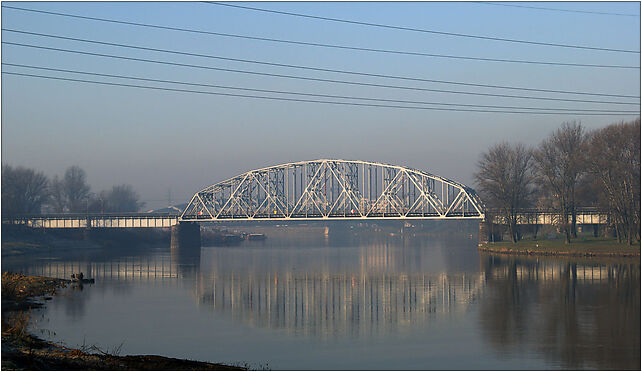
{"x": 21, "y": 350}
{"x": 584, "y": 247}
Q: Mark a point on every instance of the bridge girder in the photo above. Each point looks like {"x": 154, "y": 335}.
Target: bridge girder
{"x": 334, "y": 189}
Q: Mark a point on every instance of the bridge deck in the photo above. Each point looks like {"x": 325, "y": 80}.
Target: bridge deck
{"x": 149, "y": 220}
{"x": 61, "y": 221}
{"x": 342, "y": 216}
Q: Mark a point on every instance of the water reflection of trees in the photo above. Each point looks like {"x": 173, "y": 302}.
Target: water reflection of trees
{"x": 577, "y": 315}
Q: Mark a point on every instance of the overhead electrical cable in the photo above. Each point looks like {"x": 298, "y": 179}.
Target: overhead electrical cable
{"x": 306, "y": 94}
{"x": 348, "y": 72}
{"x": 312, "y": 78}
{"x": 302, "y": 100}
{"x": 324, "y": 45}
{"x": 403, "y": 28}
{"x": 558, "y": 9}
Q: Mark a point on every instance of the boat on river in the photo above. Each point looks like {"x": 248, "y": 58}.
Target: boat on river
{"x": 255, "y": 237}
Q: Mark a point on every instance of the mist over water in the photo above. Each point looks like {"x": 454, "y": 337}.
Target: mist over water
{"x": 351, "y": 296}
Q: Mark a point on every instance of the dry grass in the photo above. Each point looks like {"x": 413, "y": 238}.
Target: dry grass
{"x": 15, "y": 324}
{"x": 18, "y": 286}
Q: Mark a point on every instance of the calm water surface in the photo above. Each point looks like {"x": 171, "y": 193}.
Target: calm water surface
{"x": 311, "y": 298}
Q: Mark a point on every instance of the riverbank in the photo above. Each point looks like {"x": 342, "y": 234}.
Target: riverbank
{"x": 22, "y": 240}
{"x": 18, "y": 240}
{"x": 581, "y": 247}
{"x": 21, "y": 350}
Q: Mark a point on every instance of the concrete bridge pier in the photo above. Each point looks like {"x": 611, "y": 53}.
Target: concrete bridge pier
{"x": 484, "y": 235}
{"x": 489, "y": 232}
{"x": 186, "y": 235}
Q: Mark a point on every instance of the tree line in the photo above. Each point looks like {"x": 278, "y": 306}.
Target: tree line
{"x": 27, "y": 191}
{"x": 570, "y": 168}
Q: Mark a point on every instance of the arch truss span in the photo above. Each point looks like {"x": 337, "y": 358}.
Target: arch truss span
{"x": 334, "y": 189}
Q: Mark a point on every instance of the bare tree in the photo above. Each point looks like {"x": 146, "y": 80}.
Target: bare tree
{"x": 614, "y": 154}
{"x": 121, "y": 198}
{"x": 97, "y": 203}
{"x": 75, "y": 189}
{"x": 23, "y": 190}
{"x": 57, "y": 200}
{"x": 560, "y": 163}
{"x": 504, "y": 179}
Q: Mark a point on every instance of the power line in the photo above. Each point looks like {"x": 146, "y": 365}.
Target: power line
{"x": 324, "y": 45}
{"x": 302, "y": 100}
{"x": 471, "y": 36}
{"x": 312, "y": 78}
{"x": 317, "y": 68}
{"x": 560, "y": 10}
{"x": 307, "y": 94}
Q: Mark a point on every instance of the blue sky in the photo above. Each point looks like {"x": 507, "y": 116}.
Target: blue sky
{"x": 160, "y": 140}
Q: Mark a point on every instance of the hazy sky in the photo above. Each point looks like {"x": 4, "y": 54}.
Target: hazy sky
{"x": 161, "y": 140}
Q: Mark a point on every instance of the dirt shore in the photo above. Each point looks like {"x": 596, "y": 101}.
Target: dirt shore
{"x": 23, "y": 351}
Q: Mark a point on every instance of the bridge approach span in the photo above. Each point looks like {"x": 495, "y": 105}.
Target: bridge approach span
{"x": 334, "y": 189}
{"x": 95, "y": 220}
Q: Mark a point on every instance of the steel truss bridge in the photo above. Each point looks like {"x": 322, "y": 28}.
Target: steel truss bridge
{"x": 334, "y": 189}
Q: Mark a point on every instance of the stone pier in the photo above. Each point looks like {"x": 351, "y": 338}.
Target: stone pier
{"x": 186, "y": 235}
{"x": 489, "y": 232}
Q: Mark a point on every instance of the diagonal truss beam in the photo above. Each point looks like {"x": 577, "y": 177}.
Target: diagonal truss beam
{"x": 332, "y": 188}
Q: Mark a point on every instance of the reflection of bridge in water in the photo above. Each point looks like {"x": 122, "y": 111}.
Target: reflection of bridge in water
{"x": 556, "y": 271}
{"x": 532, "y": 269}
{"x": 157, "y": 267}
{"x": 331, "y": 303}
{"x": 326, "y": 303}
{"x": 370, "y": 297}
{"x": 164, "y": 267}
{"x": 578, "y": 315}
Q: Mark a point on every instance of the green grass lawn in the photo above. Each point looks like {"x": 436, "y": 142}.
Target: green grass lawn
{"x": 582, "y": 246}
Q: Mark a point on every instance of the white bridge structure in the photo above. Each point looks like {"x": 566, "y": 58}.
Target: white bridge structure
{"x": 334, "y": 189}
{"x": 94, "y": 220}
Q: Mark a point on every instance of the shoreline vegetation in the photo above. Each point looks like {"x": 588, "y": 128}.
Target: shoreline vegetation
{"x": 582, "y": 247}
{"x": 22, "y": 350}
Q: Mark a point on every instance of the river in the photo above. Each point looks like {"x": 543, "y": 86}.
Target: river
{"x": 350, "y": 297}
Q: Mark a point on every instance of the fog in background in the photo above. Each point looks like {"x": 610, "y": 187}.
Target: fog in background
{"x": 160, "y": 140}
